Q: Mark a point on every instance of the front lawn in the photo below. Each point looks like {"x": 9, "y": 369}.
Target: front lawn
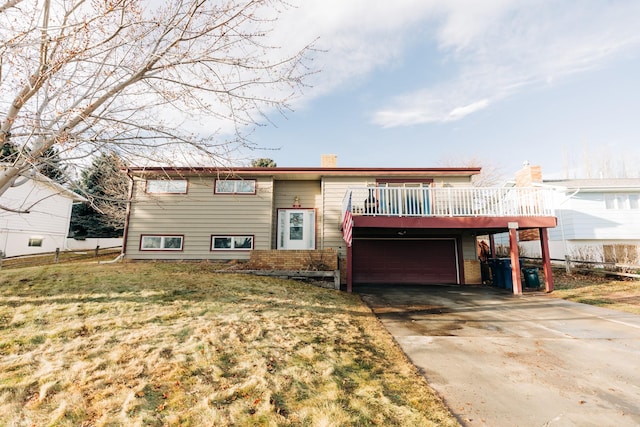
{"x": 178, "y": 344}
{"x": 597, "y": 289}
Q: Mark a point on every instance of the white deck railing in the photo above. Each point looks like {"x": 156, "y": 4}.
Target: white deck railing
{"x": 439, "y": 201}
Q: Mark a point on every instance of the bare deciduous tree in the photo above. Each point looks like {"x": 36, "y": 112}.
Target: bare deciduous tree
{"x": 491, "y": 174}
{"x": 157, "y": 81}
{"x": 599, "y": 163}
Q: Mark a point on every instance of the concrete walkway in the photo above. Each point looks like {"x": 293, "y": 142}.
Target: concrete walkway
{"x": 503, "y": 360}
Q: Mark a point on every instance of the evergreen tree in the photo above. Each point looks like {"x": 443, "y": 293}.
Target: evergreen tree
{"x": 263, "y": 163}
{"x": 51, "y": 166}
{"x": 8, "y": 153}
{"x": 106, "y": 185}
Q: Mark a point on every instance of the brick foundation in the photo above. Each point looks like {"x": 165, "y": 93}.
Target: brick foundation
{"x": 305, "y": 260}
{"x": 472, "y": 273}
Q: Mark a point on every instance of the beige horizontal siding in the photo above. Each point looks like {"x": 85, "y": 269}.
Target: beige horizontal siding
{"x": 334, "y": 189}
{"x": 199, "y": 213}
{"x": 197, "y": 216}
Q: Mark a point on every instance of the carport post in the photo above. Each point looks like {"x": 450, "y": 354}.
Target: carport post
{"x": 546, "y": 260}
{"x": 515, "y": 258}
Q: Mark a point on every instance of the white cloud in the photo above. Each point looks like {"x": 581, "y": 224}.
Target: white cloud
{"x": 460, "y": 112}
{"x": 354, "y": 37}
{"x": 505, "y": 46}
{"x": 499, "y": 47}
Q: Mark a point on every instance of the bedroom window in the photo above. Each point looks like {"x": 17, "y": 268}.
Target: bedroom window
{"x": 167, "y": 186}
{"x": 235, "y": 186}
{"x": 231, "y": 243}
{"x": 161, "y": 243}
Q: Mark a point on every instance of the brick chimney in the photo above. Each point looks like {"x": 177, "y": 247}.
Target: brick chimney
{"x": 524, "y": 178}
{"x": 328, "y": 161}
{"x": 528, "y": 175}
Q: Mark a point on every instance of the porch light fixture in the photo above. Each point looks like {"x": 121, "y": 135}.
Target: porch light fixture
{"x": 296, "y": 202}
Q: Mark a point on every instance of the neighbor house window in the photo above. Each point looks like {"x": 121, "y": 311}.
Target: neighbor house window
{"x": 235, "y": 186}
{"x": 36, "y": 241}
{"x": 161, "y": 243}
{"x": 222, "y": 243}
{"x": 622, "y": 201}
{"x": 171, "y": 186}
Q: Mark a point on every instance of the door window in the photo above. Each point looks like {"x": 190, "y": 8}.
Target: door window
{"x": 296, "y": 229}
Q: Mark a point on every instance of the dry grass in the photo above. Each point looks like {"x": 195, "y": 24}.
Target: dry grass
{"x": 609, "y": 292}
{"x": 177, "y": 344}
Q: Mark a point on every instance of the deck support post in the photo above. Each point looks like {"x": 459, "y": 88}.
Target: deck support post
{"x": 515, "y": 258}
{"x": 546, "y": 260}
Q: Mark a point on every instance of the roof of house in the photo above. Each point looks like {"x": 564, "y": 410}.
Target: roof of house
{"x": 304, "y": 172}
{"x": 602, "y": 184}
{"x": 58, "y": 188}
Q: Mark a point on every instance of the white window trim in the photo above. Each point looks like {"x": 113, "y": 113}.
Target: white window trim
{"x": 166, "y": 186}
{"x": 232, "y": 237}
{"x": 163, "y": 239}
{"x": 236, "y": 183}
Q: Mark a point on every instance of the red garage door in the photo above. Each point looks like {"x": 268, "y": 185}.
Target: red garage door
{"x": 426, "y": 261}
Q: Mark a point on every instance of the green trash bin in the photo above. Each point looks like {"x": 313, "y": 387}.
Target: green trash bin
{"x": 531, "y": 279}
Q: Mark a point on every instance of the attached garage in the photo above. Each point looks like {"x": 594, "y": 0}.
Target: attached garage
{"x": 405, "y": 261}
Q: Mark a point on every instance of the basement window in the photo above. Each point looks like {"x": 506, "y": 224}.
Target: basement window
{"x": 231, "y": 243}
{"x": 161, "y": 243}
{"x": 36, "y": 242}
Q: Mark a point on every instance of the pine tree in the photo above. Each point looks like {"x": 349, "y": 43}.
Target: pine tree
{"x": 263, "y": 163}
{"x": 52, "y": 168}
{"x": 106, "y": 185}
{"x": 8, "y": 153}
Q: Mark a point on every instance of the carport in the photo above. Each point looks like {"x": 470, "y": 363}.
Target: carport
{"x": 428, "y": 250}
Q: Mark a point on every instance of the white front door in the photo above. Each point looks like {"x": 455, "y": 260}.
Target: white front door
{"x": 296, "y": 229}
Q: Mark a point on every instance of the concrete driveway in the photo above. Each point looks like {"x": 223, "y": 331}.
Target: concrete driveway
{"x": 503, "y": 360}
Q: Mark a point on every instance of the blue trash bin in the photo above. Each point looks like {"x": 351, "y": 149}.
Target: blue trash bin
{"x": 497, "y": 275}
{"x": 506, "y": 271}
{"x": 505, "y": 264}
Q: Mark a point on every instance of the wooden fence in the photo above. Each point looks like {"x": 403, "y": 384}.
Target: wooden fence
{"x": 59, "y": 256}
{"x": 596, "y": 267}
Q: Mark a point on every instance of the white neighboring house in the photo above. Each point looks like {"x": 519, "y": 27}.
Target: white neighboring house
{"x": 598, "y": 219}
{"x": 34, "y": 216}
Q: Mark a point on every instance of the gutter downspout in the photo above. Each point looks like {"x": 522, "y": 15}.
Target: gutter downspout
{"x": 125, "y": 235}
{"x": 113, "y": 261}
{"x": 562, "y": 234}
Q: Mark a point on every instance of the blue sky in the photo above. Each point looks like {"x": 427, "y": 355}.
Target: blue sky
{"x": 431, "y": 83}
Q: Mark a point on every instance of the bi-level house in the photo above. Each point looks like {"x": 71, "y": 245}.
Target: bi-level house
{"x": 387, "y": 225}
